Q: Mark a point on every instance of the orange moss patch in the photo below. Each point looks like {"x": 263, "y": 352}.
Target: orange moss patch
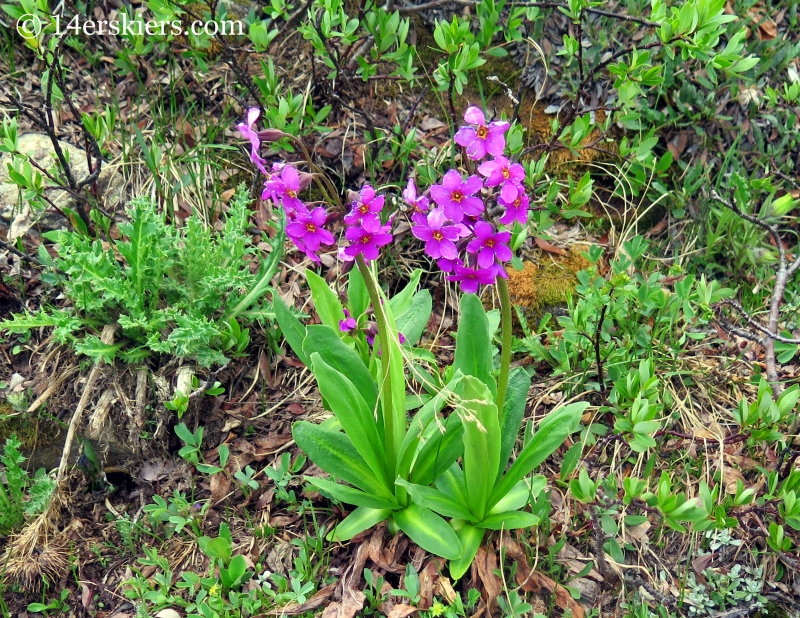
{"x": 545, "y": 282}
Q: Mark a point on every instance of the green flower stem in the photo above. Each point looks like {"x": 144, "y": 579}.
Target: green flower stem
{"x": 386, "y": 382}
{"x": 505, "y": 348}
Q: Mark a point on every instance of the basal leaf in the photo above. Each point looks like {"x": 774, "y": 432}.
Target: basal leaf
{"x": 519, "y": 383}
{"x": 473, "y": 342}
{"x": 323, "y": 340}
{"x": 356, "y": 522}
{"x": 350, "y": 495}
{"x": 357, "y": 293}
{"x": 357, "y": 420}
{"x": 510, "y": 520}
{"x": 325, "y": 301}
{"x": 401, "y": 302}
{"x": 429, "y": 531}
{"x": 291, "y": 328}
{"x": 334, "y": 452}
{"x": 481, "y": 443}
{"x": 552, "y": 432}
{"x": 470, "y": 538}
{"x": 413, "y": 322}
{"x": 435, "y": 500}
{"x": 438, "y": 452}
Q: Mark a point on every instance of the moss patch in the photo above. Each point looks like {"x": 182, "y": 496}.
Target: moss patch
{"x": 545, "y": 283}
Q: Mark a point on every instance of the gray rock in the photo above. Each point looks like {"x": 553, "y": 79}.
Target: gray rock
{"x": 40, "y": 149}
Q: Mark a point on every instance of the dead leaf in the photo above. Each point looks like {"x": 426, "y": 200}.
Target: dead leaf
{"x": 429, "y": 124}
{"x": 21, "y": 224}
{"x": 156, "y": 470}
{"x": 352, "y": 603}
{"x": 549, "y": 247}
{"x": 401, "y": 611}
{"x": 534, "y": 581}
{"x": 444, "y": 589}
{"x": 220, "y": 486}
{"x": 483, "y": 569}
{"x": 427, "y": 580}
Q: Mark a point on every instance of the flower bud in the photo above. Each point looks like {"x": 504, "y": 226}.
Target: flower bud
{"x": 271, "y": 135}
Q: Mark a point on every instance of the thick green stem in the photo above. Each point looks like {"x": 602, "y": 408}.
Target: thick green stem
{"x": 386, "y": 382}
{"x": 505, "y": 349}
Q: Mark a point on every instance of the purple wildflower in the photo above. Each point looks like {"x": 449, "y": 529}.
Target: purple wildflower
{"x": 368, "y": 204}
{"x": 489, "y": 245}
{"x": 418, "y": 203}
{"x": 285, "y": 188}
{"x": 308, "y": 233}
{"x": 447, "y": 265}
{"x": 471, "y": 279}
{"x": 367, "y": 237}
{"x": 455, "y": 196}
{"x": 438, "y": 235}
{"x": 502, "y": 172}
{"x": 246, "y": 129}
{"x": 349, "y": 323}
{"x": 516, "y": 210}
{"x": 483, "y": 138}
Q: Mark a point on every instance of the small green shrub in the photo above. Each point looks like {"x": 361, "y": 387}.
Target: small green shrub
{"x": 15, "y": 483}
{"x": 173, "y": 290}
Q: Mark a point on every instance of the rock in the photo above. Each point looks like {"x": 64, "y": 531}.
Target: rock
{"x": 40, "y": 149}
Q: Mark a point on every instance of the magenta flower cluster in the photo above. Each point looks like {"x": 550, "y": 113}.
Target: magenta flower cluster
{"x": 457, "y": 231}
{"x": 304, "y": 226}
{"x": 453, "y": 221}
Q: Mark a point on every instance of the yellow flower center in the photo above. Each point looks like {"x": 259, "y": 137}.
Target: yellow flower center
{"x": 292, "y": 194}
{"x": 437, "y": 235}
{"x": 457, "y": 196}
{"x": 482, "y": 132}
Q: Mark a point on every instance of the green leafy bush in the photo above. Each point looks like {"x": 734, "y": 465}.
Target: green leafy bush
{"x": 172, "y": 290}
{"x": 15, "y": 484}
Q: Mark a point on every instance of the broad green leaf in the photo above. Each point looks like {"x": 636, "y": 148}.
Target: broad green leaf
{"x": 357, "y": 420}
{"x": 324, "y": 341}
{"x": 291, "y": 328}
{"x": 438, "y": 452}
{"x": 429, "y": 531}
{"x": 356, "y": 522}
{"x": 350, "y": 495}
{"x": 481, "y": 442}
{"x": 401, "y": 302}
{"x": 333, "y": 452}
{"x": 436, "y": 501}
{"x": 470, "y": 538}
{"x": 325, "y": 301}
{"x": 394, "y": 411}
{"x": 509, "y": 520}
{"x": 520, "y": 494}
{"x": 519, "y": 383}
{"x": 413, "y": 322}
{"x": 473, "y": 342}
{"x": 552, "y": 432}
{"x": 421, "y": 421}
{"x": 357, "y": 293}
{"x": 453, "y": 484}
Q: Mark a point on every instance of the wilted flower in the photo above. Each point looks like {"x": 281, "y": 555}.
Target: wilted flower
{"x": 246, "y": 129}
